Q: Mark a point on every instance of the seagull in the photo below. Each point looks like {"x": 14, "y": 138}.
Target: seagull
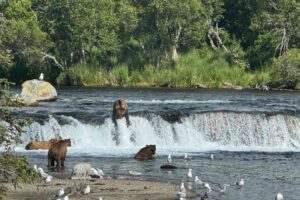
{"x": 100, "y": 198}
{"x": 224, "y": 188}
{"x": 198, "y": 181}
{"x": 206, "y": 185}
{"x": 185, "y": 156}
{"x": 42, "y": 173}
{"x": 97, "y": 172}
{"x": 181, "y": 194}
{"x": 189, "y": 174}
{"x": 87, "y": 189}
{"x": 66, "y": 197}
{"x": 60, "y": 192}
{"x": 169, "y": 158}
{"x": 241, "y": 183}
{"x": 35, "y": 168}
{"x": 134, "y": 173}
{"x": 182, "y": 188}
{"x": 279, "y": 196}
{"x": 48, "y": 179}
{"x": 212, "y": 156}
{"x": 41, "y": 77}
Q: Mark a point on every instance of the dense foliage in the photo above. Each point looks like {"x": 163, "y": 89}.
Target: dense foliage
{"x": 118, "y": 42}
{"x": 13, "y": 168}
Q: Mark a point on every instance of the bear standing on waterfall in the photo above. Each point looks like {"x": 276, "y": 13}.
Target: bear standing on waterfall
{"x": 146, "y": 153}
{"x": 57, "y": 153}
{"x": 120, "y": 110}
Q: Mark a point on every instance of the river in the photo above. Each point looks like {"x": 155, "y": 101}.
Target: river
{"x": 253, "y": 135}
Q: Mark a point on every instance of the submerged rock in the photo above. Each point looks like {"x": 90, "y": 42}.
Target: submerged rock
{"x": 37, "y": 90}
{"x": 168, "y": 167}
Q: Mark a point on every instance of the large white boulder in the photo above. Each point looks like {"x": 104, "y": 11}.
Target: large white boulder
{"x": 37, "y": 90}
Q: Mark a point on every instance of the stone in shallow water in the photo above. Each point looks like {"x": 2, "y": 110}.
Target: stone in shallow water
{"x": 168, "y": 167}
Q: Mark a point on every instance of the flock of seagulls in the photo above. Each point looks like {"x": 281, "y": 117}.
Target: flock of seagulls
{"x": 181, "y": 194}
{"x": 60, "y": 195}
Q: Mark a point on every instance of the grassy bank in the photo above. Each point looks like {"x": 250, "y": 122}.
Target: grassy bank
{"x": 195, "y": 69}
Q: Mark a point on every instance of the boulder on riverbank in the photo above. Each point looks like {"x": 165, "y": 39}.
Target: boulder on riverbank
{"x": 37, "y": 90}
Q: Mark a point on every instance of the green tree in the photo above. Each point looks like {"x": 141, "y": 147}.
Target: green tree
{"x": 23, "y": 39}
{"x": 13, "y": 168}
{"x": 162, "y": 26}
{"x": 278, "y": 27}
{"x": 287, "y": 70}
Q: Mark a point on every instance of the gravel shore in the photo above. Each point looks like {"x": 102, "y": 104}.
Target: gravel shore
{"x": 108, "y": 189}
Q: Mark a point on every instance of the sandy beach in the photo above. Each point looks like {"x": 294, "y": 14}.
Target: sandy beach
{"x": 106, "y": 188}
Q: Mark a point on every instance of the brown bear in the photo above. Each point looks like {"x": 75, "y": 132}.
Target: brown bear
{"x": 57, "y": 153}
{"x": 120, "y": 110}
{"x": 40, "y": 144}
{"x": 146, "y": 153}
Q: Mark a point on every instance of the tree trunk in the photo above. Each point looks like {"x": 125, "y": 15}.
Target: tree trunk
{"x": 174, "y": 48}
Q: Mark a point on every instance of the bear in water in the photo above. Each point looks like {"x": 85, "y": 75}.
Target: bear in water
{"x": 120, "y": 110}
{"x": 146, "y": 153}
{"x": 40, "y": 144}
{"x": 57, "y": 153}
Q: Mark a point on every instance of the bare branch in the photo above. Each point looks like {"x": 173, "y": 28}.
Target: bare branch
{"x": 45, "y": 55}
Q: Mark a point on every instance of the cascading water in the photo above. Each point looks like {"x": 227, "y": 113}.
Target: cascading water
{"x": 205, "y": 131}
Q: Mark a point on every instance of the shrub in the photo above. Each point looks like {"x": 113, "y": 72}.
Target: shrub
{"x": 286, "y": 73}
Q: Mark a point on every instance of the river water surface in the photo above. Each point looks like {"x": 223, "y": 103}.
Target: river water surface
{"x": 253, "y": 135}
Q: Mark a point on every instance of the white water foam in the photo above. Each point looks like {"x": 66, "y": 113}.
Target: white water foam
{"x": 196, "y": 133}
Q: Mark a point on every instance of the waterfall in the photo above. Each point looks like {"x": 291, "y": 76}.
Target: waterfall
{"x": 204, "y": 131}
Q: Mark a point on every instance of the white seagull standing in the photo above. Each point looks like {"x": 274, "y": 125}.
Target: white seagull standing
{"x": 41, "y": 77}
{"x": 182, "y": 188}
{"x": 206, "y": 185}
{"x": 48, "y": 179}
{"x": 241, "y": 183}
{"x": 212, "y": 156}
{"x": 182, "y": 191}
{"x": 169, "y": 158}
{"x": 198, "y": 181}
{"x": 60, "y": 192}
{"x": 189, "y": 174}
{"x": 279, "y": 196}
{"x": 42, "y": 173}
{"x": 185, "y": 156}
{"x": 87, "y": 189}
{"x": 97, "y": 172}
{"x": 35, "y": 168}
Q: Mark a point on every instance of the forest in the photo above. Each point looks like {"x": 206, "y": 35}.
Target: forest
{"x": 148, "y": 43}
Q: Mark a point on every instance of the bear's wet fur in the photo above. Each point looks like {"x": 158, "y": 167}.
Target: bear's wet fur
{"x": 57, "y": 153}
{"x": 33, "y": 145}
{"x": 146, "y": 153}
{"x": 120, "y": 110}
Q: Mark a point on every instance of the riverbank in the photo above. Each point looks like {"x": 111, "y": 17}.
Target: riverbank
{"x": 107, "y": 189}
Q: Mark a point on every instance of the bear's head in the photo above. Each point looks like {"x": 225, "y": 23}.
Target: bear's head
{"x": 152, "y": 148}
{"x": 66, "y": 141}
